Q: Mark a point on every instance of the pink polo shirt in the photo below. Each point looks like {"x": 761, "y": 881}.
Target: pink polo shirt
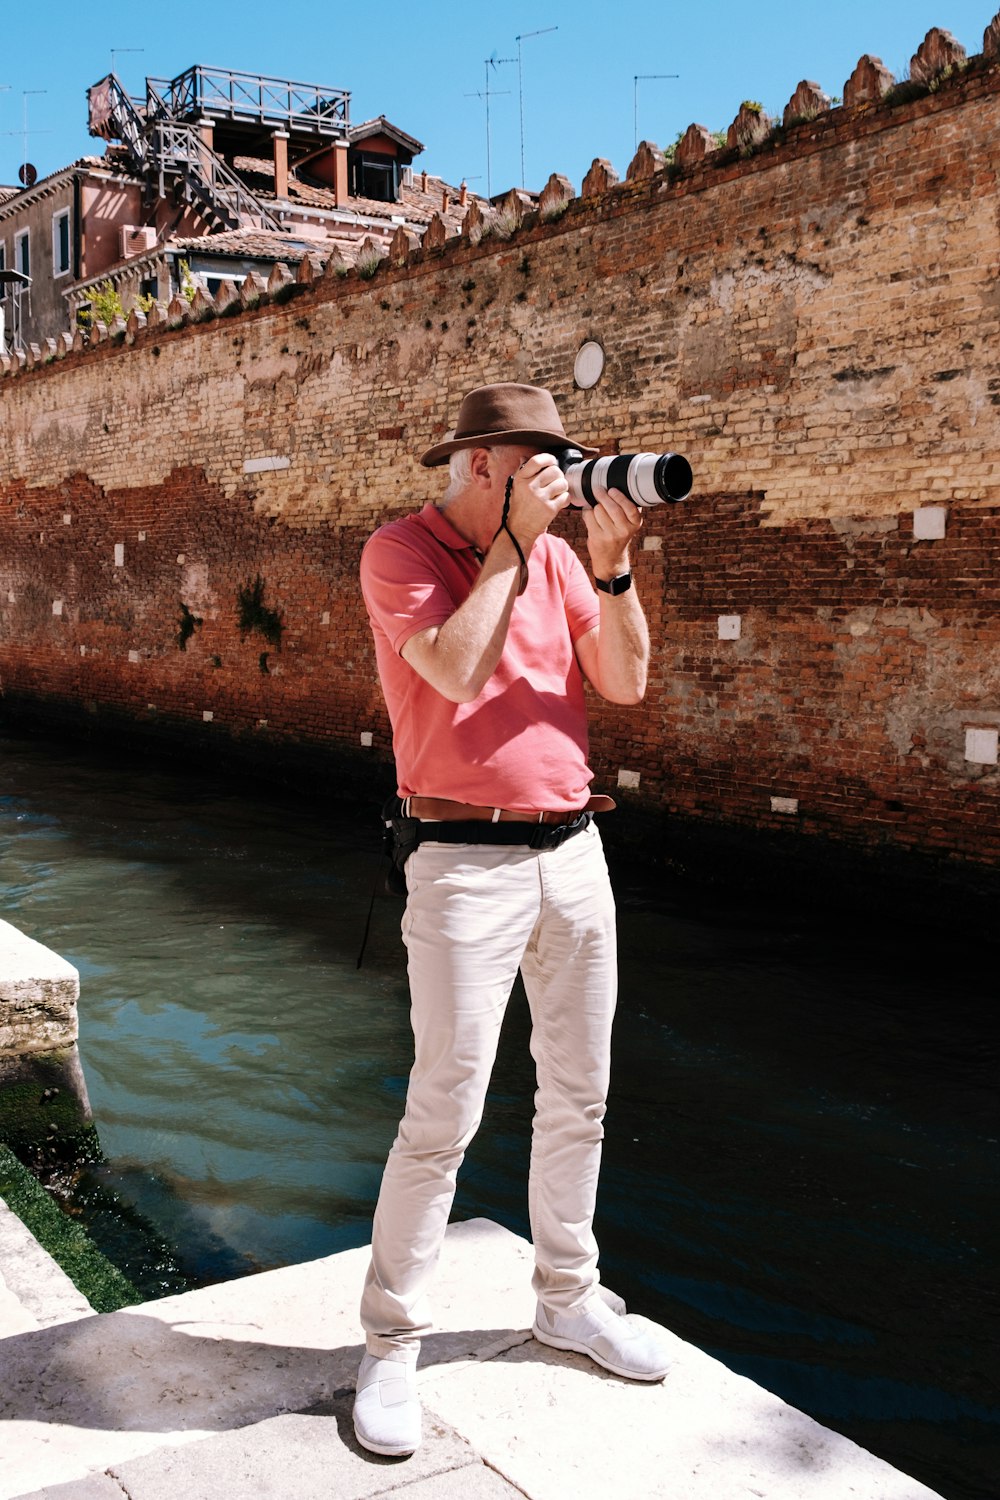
{"x": 522, "y": 744}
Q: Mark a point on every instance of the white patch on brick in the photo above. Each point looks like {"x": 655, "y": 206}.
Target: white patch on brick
{"x": 366, "y": 737}
{"x": 11, "y": 597}
{"x": 142, "y": 536}
{"x": 628, "y": 779}
{"x": 930, "y": 523}
{"x": 784, "y": 804}
{"x": 652, "y": 544}
{"x": 729, "y": 627}
{"x": 119, "y": 554}
{"x": 207, "y": 715}
{"x": 981, "y": 746}
{"x": 261, "y": 723}
{"x": 133, "y": 656}
{"x": 67, "y": 519}
{"x": 326, "y": 617}
{"x": 180, "y": 558}
{"x": 57, "y": 606}
{"x": 83, "y": 650}
{"x": 266, "y": 465}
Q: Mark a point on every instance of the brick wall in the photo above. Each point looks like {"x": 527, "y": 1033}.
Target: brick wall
{"x": 813, "y": 321}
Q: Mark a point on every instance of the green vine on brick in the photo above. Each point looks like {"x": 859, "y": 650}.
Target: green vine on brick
{"x": 254, "y": 614}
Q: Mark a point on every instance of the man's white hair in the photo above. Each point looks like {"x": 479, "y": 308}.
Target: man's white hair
{"x": 460, "y": 467}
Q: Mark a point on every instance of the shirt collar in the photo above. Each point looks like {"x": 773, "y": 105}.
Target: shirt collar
{"x": 440, "y": 527}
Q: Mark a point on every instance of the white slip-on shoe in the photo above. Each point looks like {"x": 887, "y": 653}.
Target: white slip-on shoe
{"x": 386, "y": 1407}
{"x": 611, "y": 1340}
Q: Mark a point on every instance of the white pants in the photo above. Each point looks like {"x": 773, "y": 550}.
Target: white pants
{"x": 475, "y": 914}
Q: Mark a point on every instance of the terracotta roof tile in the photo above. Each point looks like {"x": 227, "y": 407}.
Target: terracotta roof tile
{"x": 418, "y": 206}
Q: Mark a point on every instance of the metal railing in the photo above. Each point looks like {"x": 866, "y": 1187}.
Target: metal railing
{"x": 113, "y": 116}
{"x": 180, "y": 150}
{"x": 161, "y": 147}
{"x": 224, "y": 94}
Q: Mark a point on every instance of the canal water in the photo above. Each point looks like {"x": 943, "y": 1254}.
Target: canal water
{"x": 801, "y": 1162}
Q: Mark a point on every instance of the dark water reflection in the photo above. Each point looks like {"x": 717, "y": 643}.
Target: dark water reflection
{"x": 801, "y": 1165}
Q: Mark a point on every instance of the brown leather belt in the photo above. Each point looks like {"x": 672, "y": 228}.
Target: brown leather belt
{"x": 437, "y": 810}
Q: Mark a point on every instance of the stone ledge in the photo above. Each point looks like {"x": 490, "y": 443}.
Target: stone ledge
{"x": 169, "y": 1396}
{"x": 38, "y": 995}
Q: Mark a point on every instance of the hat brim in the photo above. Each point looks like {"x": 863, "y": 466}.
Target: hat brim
{"x": 547, "y": 441}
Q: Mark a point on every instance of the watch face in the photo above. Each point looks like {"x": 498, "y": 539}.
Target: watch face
{"x": 614, "y": 585}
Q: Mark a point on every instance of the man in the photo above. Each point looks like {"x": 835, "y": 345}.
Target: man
{"x": 485, "y": 628}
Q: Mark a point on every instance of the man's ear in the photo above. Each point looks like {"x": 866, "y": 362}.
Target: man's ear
{"x": 481, "y": 468}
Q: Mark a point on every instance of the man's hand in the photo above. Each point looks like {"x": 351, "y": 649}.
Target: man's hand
{"x": 537, "y": 496}
{"x": 611, "y": 525}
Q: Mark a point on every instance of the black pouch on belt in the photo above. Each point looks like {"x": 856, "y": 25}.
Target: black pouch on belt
{"x": 401, "y": 837}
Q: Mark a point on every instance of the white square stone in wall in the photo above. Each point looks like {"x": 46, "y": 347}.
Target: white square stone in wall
{"x": 366, "y": 737}
{"x": 133, "y": 656}
{"x": 652, "y": 544}
{"x": 67, "y": 519}
{"x": 628, "y": 779}
{"x": 981, "y": 746}
{"x": 326, "y": 617}
{"x": 207, "y": 715}
{"x": 784, "y": 805}
{"x": 930, "y": 522}
{"x": 729, "y": 627}
{"x": 57, "y": 606}
{"x": 119, "y": 554}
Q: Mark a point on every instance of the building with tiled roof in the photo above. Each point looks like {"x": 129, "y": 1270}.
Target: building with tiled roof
{"x": 213, "y": 175}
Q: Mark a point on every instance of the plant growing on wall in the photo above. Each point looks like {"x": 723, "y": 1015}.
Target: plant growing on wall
{"x": 189, "y": 287}
{"x": 106, "y": 304}
{"x": 254, "y": 615}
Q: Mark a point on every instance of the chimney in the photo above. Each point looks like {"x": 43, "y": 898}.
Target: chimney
{"x": 280, "y": 139}
{"x": 423, "y": 181}
{"x": 341, "y": 191}
{"x": 463, "y": 195}
{"x": 444, "y": 201}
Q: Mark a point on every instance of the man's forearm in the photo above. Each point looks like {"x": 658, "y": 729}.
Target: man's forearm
{"x": 622, "y": 649}
{"x": 459, "y": 657}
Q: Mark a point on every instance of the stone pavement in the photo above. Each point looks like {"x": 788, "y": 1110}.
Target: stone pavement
{"x": 245, "y": 1390}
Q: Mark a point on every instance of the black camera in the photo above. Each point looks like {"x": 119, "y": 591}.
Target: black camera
{"x": 646, "y": 478}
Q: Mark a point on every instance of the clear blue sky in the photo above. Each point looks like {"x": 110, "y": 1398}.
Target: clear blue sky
{"x": 423, "y": 65}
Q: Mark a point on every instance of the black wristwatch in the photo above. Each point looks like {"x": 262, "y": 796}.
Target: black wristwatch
{"x": 619, "y": 585}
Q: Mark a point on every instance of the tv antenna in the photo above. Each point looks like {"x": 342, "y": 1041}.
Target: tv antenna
{"x": 635, "y": 100}
{"x": 26, "y": 166}
{"x": 491, "y": 62}
{"x": 520, "y": 84}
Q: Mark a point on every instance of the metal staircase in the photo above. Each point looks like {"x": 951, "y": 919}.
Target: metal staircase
{"x": 166, "y": 148}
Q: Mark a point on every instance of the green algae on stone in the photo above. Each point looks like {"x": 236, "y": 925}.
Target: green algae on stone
{"x": 103, "y": 1285}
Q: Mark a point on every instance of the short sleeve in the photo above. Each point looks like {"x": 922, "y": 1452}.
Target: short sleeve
{"x": 402, "y": 590}
{"x": 583, "y": 610}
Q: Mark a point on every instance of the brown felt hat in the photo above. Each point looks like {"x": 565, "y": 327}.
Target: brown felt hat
{"x": 505, "y": 413}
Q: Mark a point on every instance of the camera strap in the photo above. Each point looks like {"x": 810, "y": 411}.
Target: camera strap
{"x": 504, "y": 526}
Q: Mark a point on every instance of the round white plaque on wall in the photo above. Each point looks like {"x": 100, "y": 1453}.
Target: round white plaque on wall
{"x": 589, "y": 365}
